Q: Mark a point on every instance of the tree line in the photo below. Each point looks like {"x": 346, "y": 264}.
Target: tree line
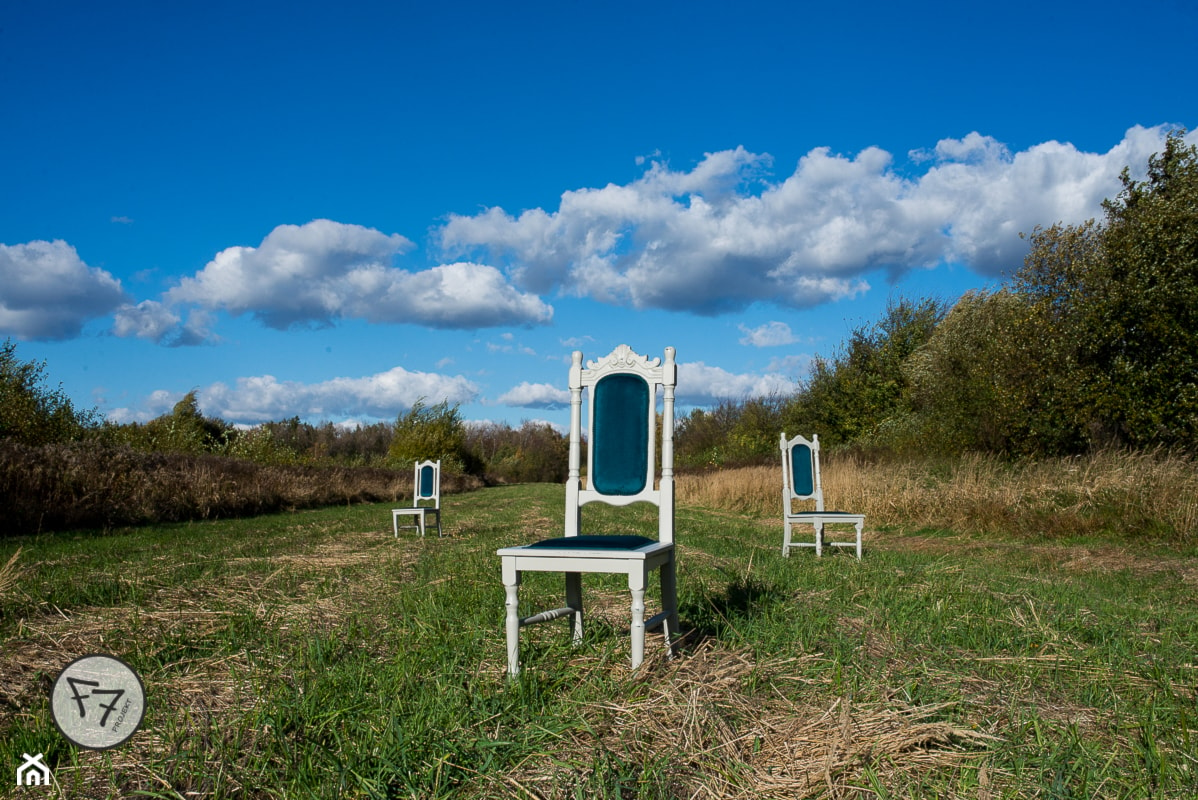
{"x": 34, "y": 413}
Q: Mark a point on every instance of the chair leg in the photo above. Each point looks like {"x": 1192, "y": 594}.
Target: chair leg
{"x": 859, "y": 526}
{"x": 395, "y": 523}
{"x": 819, "y": 538}
{"x": 636, "y": 584}
{"x": 669, "y": 599}
{"x": 786, "y": 539}
{"x": 511, "y": 588}
{"x": 574, "y": 601}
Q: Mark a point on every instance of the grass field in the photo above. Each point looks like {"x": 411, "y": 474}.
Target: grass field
{"x": 311, "y": 654}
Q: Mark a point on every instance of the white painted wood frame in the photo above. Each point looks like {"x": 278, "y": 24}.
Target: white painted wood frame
{"x": 598, "y": 553}
{"x": 807, "y": 486}
{"x": 426, "y": 488}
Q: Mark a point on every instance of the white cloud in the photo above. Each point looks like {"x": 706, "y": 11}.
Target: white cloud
{"x": 316, "y": 273}
{"x": 158, "y": 403}
{"x": 148, "y": 319}
{"x": 700, "y": 384}
{"x": 47, "y": 292}
{"x": 509, "y": 345}
{"x": 264, "y": 398}
{"x": 160, "y": 324}
{"x": 535, "y": 395}
{"x": 771, "y": 334}
{"x": 719, "y": 237}
{"x": 792, "y": 366}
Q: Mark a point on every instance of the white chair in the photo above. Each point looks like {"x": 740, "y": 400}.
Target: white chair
{"x": 621, "y": 420}
{"x": 426, "y": 488}
{"x": 801, "y": 481}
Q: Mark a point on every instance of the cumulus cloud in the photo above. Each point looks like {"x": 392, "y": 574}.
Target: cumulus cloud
{"x": 771, "y": 334}
{"x": 536, "y": 395}
{"x": 721, "y": 236}
{"x": 317, "y": 273}
{"x": 155, "y": 322}
{"x": 701, "y": 385}
{"x": 47, "y": 292}
{"x": 384, "y": 395}
{"x": 148, "y": 319}
{"x": 794, "y": 366}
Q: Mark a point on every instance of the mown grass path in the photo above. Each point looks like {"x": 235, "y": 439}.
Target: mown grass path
{"x": 314, "y": 655}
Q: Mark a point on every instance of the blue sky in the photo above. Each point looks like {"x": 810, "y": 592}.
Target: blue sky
{"x": 304, "y": 209}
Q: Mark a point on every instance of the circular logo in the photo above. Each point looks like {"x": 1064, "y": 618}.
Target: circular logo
{"x": 98, "y": 701}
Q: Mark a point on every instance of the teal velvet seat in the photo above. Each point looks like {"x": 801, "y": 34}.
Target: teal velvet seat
{"x": 619, "y": 542}
{"x": 801, "y": 482}
{"x": 621, "y": 469}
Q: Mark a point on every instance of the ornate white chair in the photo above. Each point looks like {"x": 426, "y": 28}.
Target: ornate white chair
{"x": 621, "y": 420}
{"x": 801, "y": 481}
{"x": 426, "y": 488}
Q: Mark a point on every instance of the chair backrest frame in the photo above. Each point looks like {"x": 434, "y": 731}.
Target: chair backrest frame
{"x": 426, "y": 483}
{"x": 808, "y": 485}
{"x": 622, "y": 375}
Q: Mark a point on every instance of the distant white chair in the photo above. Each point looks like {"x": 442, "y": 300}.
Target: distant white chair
{"x": 621, "y": 420}
{"x": 426, "y": 488}
{"x": 801, "y": 481}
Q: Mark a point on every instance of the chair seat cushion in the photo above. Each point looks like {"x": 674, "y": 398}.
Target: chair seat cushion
{"x": 596, "y": 542}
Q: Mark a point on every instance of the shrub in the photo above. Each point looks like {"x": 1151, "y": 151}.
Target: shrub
{"x": 433, "y": 432}
{"x": 31, "y": 412}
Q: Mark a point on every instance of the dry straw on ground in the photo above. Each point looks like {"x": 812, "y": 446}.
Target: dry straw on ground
{"x": 722, "y": 741}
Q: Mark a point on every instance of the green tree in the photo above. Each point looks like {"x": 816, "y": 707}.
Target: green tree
{"x": 186, "y": 430}
{"x": 1117, "y": 306}
{"x": 430, "y": 432}
{"x": 701, "y": 438}
{"x": 848, "y": 397}
{"x": 976, "y": 384}
{"x": 534, "y": 452}
{"x": 30, "y": 411}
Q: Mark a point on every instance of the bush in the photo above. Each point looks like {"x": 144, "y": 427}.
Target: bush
{"x": 93, "y": 485}
{"x": 434, "y": 433}
{"x": 534, "y": 452}
{"x": 32, "y": 413}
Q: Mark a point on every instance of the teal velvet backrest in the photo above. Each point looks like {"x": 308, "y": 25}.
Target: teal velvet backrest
{"x": 620, "y": 434}
{"x": 426, "y": 481}
{"x": 801, "y": 475}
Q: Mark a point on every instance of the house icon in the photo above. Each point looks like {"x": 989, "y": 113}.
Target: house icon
{"x": 33, "y": 772}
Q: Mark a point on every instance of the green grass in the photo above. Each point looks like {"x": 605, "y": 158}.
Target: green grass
{"x": 313, "y": 655}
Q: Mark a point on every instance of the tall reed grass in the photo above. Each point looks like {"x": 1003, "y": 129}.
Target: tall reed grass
{"x": 1146, "y": 493}
{"x": 90, "y": 485}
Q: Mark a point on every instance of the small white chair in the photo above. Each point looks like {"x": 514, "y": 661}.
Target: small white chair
{"x": 621, "y": 420}
{"x": 801, "y": 481}
{"x": 426, "y": 487}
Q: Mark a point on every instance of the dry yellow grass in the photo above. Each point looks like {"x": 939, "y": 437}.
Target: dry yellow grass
{"x": 785, "y": 749}
{"x": 977, "y": 493}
